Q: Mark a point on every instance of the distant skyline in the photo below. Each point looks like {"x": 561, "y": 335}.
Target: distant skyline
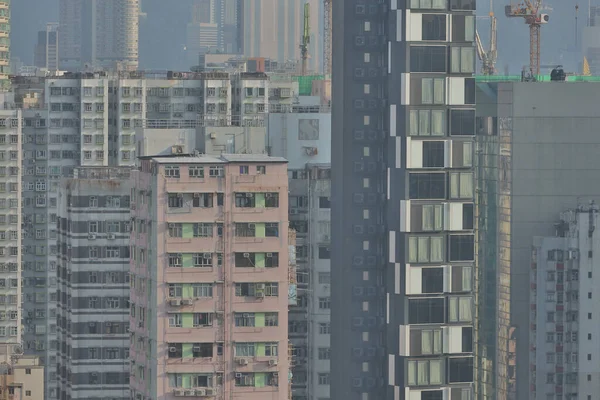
{"x": 163, "y": 33}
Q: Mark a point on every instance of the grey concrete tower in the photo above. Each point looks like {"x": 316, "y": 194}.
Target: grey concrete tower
{"x": 403, "y": 123}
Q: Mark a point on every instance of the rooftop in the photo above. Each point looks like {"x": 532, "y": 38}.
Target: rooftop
{"x": 539, "y": 78}
{"x": 211, "y": 159}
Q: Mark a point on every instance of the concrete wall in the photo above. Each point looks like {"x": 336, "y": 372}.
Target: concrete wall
{"x": 555, "y": 166}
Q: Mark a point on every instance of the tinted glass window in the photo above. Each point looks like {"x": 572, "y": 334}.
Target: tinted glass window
{"x": 460, "y": 369}
{"x": 432, "y": 280}
{"x": 463, "y": 28}
{"x": 462, "y": 247}
{"x": 428, "y": 59}
{"x": 470, "y": 91}
{"x": 462, "y": 122}
{"x": 462, "y": 4}
{"x": 432, "y": 395}
{"x": 426, "y": 311}
{"x": 434, "y": 27}
{"x": 427, "y": 186}
{"x": 467, "y": 339}
{"x": 467, "y": 216}
{"x": 433, "y": 154}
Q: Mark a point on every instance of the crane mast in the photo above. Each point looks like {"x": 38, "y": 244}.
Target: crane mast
{"x": 488, "y": 58}
{"x": 327, "y": 37}
{"x": 529, "y": 10}
{"x": 305, "y": 38}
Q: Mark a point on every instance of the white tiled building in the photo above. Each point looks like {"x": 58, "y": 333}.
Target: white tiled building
{"x": 564, "y": 339}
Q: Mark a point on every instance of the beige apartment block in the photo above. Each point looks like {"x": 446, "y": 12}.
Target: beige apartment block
{"x": 210, "y": 278}
{"x": 21, "y": 376}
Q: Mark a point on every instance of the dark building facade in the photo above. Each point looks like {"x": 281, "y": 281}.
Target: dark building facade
{"x": 403, "y": 247}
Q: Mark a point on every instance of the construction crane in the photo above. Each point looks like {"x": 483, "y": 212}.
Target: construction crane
{"x": 530, "y": 11}
{"x": 327, "y": 37}
{"x": 305, "y": 38}
{"x": 488, "y": 58}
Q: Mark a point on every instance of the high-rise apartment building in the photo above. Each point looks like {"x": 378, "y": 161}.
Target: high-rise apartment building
{"x": 209, "y": 277}
{"x": 93, "y": 284}
{"x": 10, "y": 222}
{"x": 4, "y": 43}
{"x": 301, "y": 133}
{"x": 99, "y": 34}
{"x": 274, "y": 28}
{"x": 563, "y": 334}
{"x": 46, "y": 49}
{"x": 70, "y": 130}
{"x": 403, "y": 121}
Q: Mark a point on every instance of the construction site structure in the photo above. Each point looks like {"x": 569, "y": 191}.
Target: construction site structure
{"x": 530, "y": 11}
{"x": 327, "y": 37}
{"x": 489, "y": 57}
{"x": 305, "y": 39}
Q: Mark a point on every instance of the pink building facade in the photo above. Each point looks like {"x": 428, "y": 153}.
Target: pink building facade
{"x": 209, "y": 278}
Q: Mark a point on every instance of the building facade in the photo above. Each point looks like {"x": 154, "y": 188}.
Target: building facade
{"x": 525, "y": 177}
{"x": 93, "y": 284}
{"x": 10, "y": 222}
{"x": 46, "y": 50}
{"x": 99, "y": 34}
{"x": 210, "y": 277}
{"x": 562, "y": 331}
{"x": 4, "y": 43}
{"x": 302, "y": 134}
{"x": 403, "y": 121}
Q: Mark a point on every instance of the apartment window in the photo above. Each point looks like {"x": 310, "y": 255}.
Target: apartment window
{"x": 462, "y": 59}
{"x": 426, "y": 311}
{"x": 323, "y": 378}
{"x": 324, "y": 353}
{"x": 324, "y": 328}
{"x": 465, "y": 5}
{"x": 462, "y": 154}
{"x": 461, "y": 185}
{"x": 245, "y": 349}
{"x": 175, "y": 259}
{"x": 202, "y": 350}
{"x": 324, "y": 202}
{"x": 203, "y": 230}
{"x": 431, "y": 218}
{"x": 460, "y": 369}
{"x": 175, "y": 290}
{"x": 172, "y": 171}
{"x": 427, "y": 185}
{"x": 432, "y": 280}
{"x": 245, "y": 200}
{"x": 462, "y": 122}
{"x": 425, "y": 249}
{"x": 463, "y": 28}
{"x": 244, "y": 379}
{"x": 113, "y": 252}
{"x": 462, "y": 247}
{"x": 271, "y": 200}
{"x": 216, "y": 171}
{"x": 272, "y": 229}
{"x": 175, "y": 200}
{"x": 324, "y": 303}
{"x": 433, "y": 27}
{"x": 196, "y": 172}
{"x": 427, "y": 123}
{"x": 424, "y": 372}
{"x": 460, "y": 309}
{"x": 433, "y": 90}
{"x": 93, "y": 227}
{"x": 426, "y": 342}
{"x": 244, "y": 319}
{"x": 202, "y": 289}
{"x": 175, "y": 230}
{"x": 261, "y": 169}
{"x": 428, "y": 59}
{"x": 244, "y": 170}
{"x": 202, "y": 319}
{"x": 433, "y": 154}
{"x": 324, "y": 253}
{"x": 325, "y": 278}
{"x": 93, "y": 201}
{"x": 113, "y": 302}
{"x": 203, "y": 260}
{"x": 175, "y": 320}
{"x": 245, "y": 230}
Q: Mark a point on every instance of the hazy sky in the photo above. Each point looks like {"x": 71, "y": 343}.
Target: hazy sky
{"x": 162, "y": 34}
